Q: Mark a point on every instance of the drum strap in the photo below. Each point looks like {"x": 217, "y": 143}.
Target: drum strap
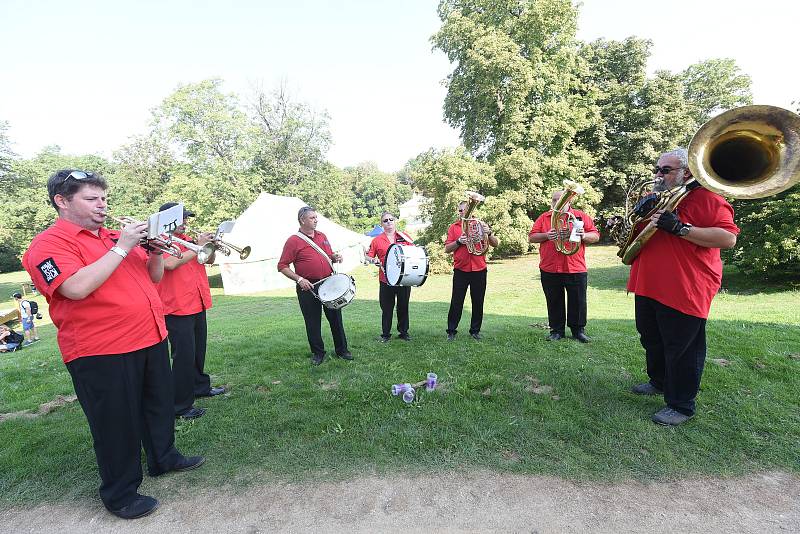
{"x": 308, "y": 240}
{"x": 405, "y": 236}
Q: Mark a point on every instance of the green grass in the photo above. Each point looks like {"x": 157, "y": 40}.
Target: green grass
{"x": 286, "y": 420}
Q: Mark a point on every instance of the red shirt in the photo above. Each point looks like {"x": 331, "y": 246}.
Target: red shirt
{"x": 308, "y": 263}
{"x": 551, "y": 260}
{"x": 124, "y": 314}
{"x": 462, "y": 259}
{"x": 380, "y": 247}
{"x": 676, "y": 272}
{"x": 185, "y": 290}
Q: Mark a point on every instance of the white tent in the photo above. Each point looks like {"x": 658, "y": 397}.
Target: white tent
{"x": 265, "y": 226}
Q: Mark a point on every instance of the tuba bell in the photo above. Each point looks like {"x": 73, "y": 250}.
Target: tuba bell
{"x": 563, "y": 222}
{"x": 478, "y": 240}
{"x": 745, "y": 153}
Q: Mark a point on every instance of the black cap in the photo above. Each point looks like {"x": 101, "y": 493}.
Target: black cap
{"x": 168, "y": 205}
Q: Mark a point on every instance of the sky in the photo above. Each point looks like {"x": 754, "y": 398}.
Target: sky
{"x": 85, "y": 74}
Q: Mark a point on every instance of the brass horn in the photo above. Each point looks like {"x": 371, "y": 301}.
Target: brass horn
{"x": 478, "y": 241}
{"x": 223, "y": 246}
{"x": 562, "y": 221}
{"x": 205, "y": 253}
{"x": 745, "y": 153}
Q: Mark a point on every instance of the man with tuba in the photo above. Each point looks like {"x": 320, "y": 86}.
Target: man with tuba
{"x": 112, "y": 336}
{"x": 564, "y": 273}
{"x": 469, "y": 269}
{"x": 186, "y": 295}
{"x": 674, "y": 277}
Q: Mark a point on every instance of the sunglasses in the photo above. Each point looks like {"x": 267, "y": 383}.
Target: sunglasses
{"x": 77, "y": 175}
{"x": 665, "y": 169}
{"x": 388, "y": 219}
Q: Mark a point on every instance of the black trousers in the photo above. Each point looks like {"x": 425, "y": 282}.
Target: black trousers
{"x": 128, "y": 401}
{"x": 675, "y": 344}
{"x": 188, "y": 335}
{"x": 387, "y": 295}
{"x": 554, "y": 286}
{"x": 476, "y": 282}
{"x": 312, "y": 315}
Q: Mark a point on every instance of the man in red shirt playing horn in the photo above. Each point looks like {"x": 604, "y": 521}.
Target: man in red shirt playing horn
{"x": 675, "y": 277}
{"x": 186, "y": 296}
{"x": 112, "y": 337}
{"x": 562, "y": 273}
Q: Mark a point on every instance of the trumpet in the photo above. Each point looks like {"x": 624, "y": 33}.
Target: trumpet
{"x": 223, "y": 246}
{"x": 205, "y": 253}
{"x": 161, "y": 243}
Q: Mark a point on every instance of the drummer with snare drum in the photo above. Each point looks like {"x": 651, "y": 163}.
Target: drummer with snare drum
{"x": 388, "y": 293}
{"x": 312, "y": 256}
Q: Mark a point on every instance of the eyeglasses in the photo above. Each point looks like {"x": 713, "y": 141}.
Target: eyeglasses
{"x": 666, "y": 169}
{"x": 460, "y": 210}
{"x": 77, "y": 175}
{"x": 388, "y": 219}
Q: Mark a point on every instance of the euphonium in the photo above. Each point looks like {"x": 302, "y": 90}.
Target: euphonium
{"x": 478, "y": 240}
{"x": 747, "y": 152}
{"x": 562, "y": 221}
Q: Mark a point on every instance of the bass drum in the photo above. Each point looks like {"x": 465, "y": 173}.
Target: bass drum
{"x": 406, "y": 265}
{"x": 337, "y": 291}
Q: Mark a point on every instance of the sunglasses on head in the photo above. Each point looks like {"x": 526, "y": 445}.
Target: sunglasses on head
{"x": 77, "y": 175}
{"x": 388, "y": 219}
{"x": 666, "y": 169}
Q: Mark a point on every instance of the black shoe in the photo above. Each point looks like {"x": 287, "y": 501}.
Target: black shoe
{"x": 317, "y": 359}
{"x": 213, "y": 392}
{"x": 193, "y": 413}
{"x": 384, "y": 339}
{"x": 184, "y": 464}
{"x": 451, "y": 337}
{"x": 345, "y": 355}
{"x": 669, "y": 417}
{"x": 581, "y": 336}
{"x": 476, "y": 336}
{"x": 187, "y": 464}
{"x": 646, "y": 388}
{"x": 555, "y": 336}
{"x": 405, "y": 337}
{"x": 141, "y": 506}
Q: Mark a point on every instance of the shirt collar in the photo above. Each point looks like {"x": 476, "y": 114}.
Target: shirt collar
{"x": 72, "y": 229}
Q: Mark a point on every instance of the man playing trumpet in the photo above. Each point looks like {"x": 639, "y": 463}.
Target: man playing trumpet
{"x": 186, "y": 295}
{"x": 112, "y": 336}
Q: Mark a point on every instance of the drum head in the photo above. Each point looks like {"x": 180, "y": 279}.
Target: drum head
{"x": 393, "y": 266}
{"x": 334, "y": 287}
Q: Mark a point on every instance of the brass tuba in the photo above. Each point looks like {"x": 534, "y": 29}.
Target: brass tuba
{"x": 477, "y": 239}
{"x": 562, "y": 221}
{"x": 746, "y": 152}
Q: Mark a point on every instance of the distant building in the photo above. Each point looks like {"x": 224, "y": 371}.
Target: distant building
{"x": 410, "y": 213}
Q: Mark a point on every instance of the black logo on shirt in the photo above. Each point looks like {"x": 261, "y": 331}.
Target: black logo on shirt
{"x": 49, "y": 270}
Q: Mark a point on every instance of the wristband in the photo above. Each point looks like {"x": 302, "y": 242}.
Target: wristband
{"x": 299, "y": 280}
{"x": 117, "y": 250}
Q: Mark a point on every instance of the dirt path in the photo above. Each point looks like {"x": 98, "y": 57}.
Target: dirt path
{"x": 477, "y": 502}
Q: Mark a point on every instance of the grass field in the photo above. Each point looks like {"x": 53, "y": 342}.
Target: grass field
{"x": 512, "y": 402}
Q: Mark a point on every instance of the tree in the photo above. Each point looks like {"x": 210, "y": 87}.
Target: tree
{"x": 373, "y": 192}
{"x": 713, "y": 86}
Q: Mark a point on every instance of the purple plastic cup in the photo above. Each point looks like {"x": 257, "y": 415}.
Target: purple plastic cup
{"x": 408, "y": 395}
{"x": 431, "y": 381}
{"x": 399, "y": 389}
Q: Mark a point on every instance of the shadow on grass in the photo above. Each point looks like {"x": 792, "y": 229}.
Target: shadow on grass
{"x": 512, "y": 402}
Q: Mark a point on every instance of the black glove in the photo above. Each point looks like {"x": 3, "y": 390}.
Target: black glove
{"x": 645, "y": 205}
{"x": 669, "y": 222}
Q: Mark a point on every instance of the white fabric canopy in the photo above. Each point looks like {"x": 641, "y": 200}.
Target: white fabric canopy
{"x": 265, "y": 226}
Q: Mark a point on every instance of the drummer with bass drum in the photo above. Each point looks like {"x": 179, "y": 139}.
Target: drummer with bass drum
{"x": 389, "y": 293}
{"x": 312, "y": 256}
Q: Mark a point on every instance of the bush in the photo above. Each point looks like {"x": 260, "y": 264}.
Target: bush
{"x": 769, "y": 241}
{"x": 439, "y": 261}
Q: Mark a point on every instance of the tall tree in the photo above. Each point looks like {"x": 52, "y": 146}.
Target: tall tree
{"x": 713, "y": 86}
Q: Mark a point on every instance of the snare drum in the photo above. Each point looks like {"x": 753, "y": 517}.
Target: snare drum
{"x": 337, "y": 291}
{"x": 406, "y": 265}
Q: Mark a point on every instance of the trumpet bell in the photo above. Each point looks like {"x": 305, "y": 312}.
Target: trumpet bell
{"x": 747, "y": 152}
{"x": 244, "y": 253}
